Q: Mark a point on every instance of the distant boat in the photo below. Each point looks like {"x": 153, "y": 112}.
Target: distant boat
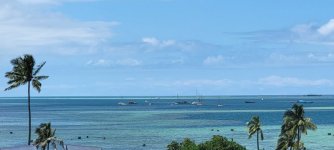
{"x": 249, "y": 102}
{"x": 132, "y": 102}
{"x": 313, "y": 95}
{"x": 178, "y": 102}
{"x": 196, "y": 103}
{"x": 199, "y": 99}
{"x": 304, "y": 102}
{"x": 181, "y": 103}
{"x": 122, "y": 104}
{"x": 220, "y": 105}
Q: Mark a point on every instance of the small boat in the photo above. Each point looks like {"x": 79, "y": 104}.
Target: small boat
{"x": 181, "y": 103}
{"x": 178, "y": 102}
{"x": 220, "y": 105}
{"x": 313, "y": 95}
{"x": 249, "y": 102}
{"x": 196, "y": 103}
{"x": 122, "y": 104}
{"x": 199, "y": 100}
{"x": 132, "y": 102}
{"x": 304, "y": 102}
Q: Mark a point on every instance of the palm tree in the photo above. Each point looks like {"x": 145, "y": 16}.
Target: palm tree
{"x": 254, "y": 126}
{"x": 46, "y": 135}
{"x": 295, "y": 123}
{"x": 284, "y": 142}
{"x": 24, "y": 72}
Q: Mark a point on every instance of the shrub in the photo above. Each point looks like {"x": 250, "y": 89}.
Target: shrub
{"x": 216, "y": 143}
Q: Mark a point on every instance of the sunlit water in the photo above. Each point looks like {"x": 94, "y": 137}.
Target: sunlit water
{"x": 111, "y": 126}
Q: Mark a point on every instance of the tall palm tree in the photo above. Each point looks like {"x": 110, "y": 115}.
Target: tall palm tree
{"x": 254, "y": 126}
{"x": 24, "y": 72}
{"x": 295, "y": 123}
{"x": 46, "y": 136}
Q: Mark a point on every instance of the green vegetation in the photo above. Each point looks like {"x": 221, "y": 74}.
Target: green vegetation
{"x": 46, "y": 136}
{"x": 254, "y": 126}
{"x": 294, "y": 124}
{"x": 24, "y": 72}
{"x": 216, "y": 143}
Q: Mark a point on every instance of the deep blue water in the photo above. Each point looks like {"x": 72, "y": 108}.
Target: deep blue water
{"x": 158, "y": 123}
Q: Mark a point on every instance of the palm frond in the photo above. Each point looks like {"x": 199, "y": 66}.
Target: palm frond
{"x": 20, "y": 81}
{"x": 39, "y": 67}
{"x": 37, "y": 85}
{"x": 261, "y": 133}
{"x": 41, "y": 77}
{"x": 12, "y": 86}
{"x": 13, "y": 75}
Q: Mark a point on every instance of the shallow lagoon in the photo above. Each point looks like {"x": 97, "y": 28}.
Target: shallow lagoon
{"x": 111, "y": 126}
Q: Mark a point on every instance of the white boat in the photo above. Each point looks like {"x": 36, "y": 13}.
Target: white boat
{"x": 220, "y": 105}
{"x": 199, "y": 99}
{"x": 196, "y": 103}
{"x": 122, "y": 104}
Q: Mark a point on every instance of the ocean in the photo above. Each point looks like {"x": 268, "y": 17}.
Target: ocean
{"x": 156, "y": 121}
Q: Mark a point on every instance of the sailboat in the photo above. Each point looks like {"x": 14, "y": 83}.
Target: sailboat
{"x": 180, "y": 102}
{"x": 220, "y": 104}
{"x": 198, "y": 102}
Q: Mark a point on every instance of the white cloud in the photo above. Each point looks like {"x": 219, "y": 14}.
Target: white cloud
{"x": 152, "y": 41}
{"x": 313, "y": 34}
{"x": 99, "y": 62}
{"x": 292, "y": 81}
{"x": 285, "y": 59}
{"x": 214, "y": 60}
{"x": 321, "y": 58}
{"x": 303, "y": 28}
{"x": 129, "y": 62}
{"x": 327, "y": 28}
{"x": 48, "y": 2}
{"x": 120, "y": 62}
{"x": 203, "y": 82}
{"x": 24, "y": 27}
{"x": 39, "y": 1}
{"x": 177, "y": 61}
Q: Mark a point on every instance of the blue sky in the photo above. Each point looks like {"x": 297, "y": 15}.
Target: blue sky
{"x": 165, "y": 47}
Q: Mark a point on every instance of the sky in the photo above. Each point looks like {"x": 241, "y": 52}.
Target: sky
{"x": 170, "y": 47}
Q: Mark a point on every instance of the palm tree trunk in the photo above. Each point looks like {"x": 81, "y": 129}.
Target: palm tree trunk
{"x": 257, "y": 140}
{"x": 48, "y": 145}
{"x": 29, "y": 136}
{"x": 298, "y": 138}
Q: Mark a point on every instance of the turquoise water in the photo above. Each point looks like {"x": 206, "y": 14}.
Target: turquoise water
{"x": 112, "y": 126}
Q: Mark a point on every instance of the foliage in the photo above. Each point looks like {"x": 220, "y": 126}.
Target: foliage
{"x": 254, "y": 126}
{"x": 24, "y": 72}
{"x": 174, "y": 146}
{"x": 216, "y": 143}
{"x": 46, "y": 136}
{"x": 294, "y": 124}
